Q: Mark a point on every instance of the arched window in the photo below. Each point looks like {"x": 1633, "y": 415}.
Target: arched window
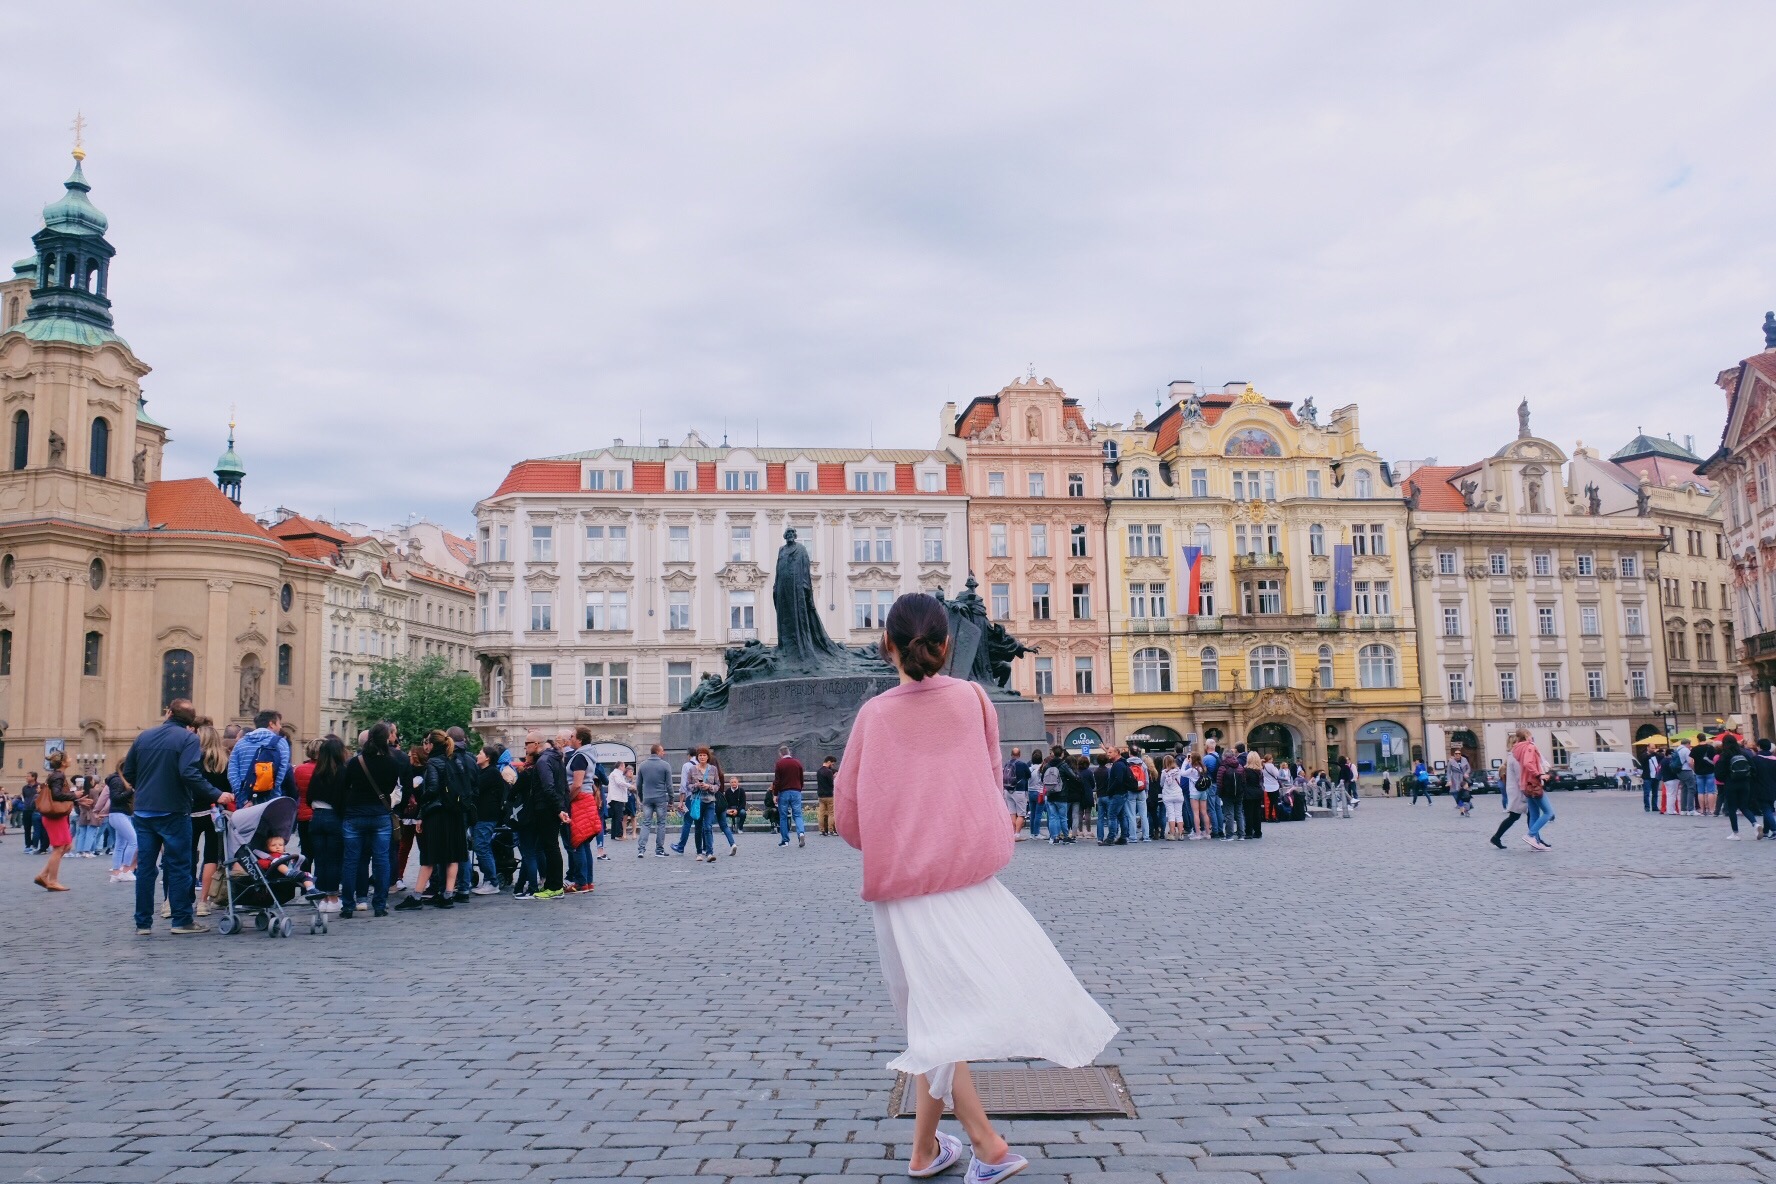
{"x": 285, "y": 660}
{"x": 1365, "y": 484}
{"x": 1202, "y": 538}
{"x": 1375, "y": 666}
{"x": 21, "y": 439}
{"x": 1112, "y": 451}
{"x": 12, "y": 312}
{"x": 1269, "y": 666}
{"x": 1141, "y": 484}
{"x": 5, "y": 653}
{"x": 99, "y": 463}
{"x": 175, "y": 676}
{"x": 89, "y": 660}
{"x": 1211, "y": 669}
{"x": 1326, "y": 666}
{"x": 1316, "y": 539}
{"x": 1153, "y": 671}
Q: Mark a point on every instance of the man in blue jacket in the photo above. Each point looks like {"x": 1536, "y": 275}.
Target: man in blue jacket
{"x": 263, "y": 745}
{"x": 165, "y": 764}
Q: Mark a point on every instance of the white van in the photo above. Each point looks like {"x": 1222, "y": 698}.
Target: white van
{"x": 1600, "y": 767}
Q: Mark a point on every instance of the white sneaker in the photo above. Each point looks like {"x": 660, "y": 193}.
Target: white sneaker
{"x": 1531, "y": 843}
{"x": 992, "y": 1173}
{"x": 1733, "y": 835}
{"x": 484, "y": 890}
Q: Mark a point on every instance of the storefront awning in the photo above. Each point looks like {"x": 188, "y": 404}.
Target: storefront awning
{"x": 1565, "y": 740}
{"x": 1607, "y": 741}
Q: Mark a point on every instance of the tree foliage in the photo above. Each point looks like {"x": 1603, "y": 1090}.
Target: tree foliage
{"x": 418, "y": 695}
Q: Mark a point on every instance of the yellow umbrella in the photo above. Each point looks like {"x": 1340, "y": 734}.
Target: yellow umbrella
{"x": 1652, "y": 740}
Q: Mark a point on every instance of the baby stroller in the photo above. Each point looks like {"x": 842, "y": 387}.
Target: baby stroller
{"x": 251, "y": 892}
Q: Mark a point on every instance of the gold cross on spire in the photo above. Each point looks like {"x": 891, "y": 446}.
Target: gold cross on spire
{"x": 78, "y": 127}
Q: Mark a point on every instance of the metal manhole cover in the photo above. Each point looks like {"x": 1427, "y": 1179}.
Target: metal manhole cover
{"x": 1029, "y": 1091}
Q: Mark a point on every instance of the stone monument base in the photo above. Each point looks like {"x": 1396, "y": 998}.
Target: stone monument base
{"x": 813, "y": 716}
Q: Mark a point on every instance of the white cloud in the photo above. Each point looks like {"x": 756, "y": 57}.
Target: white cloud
{"x": 416, "y": 243}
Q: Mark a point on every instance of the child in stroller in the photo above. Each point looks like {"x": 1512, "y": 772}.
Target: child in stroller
{"x": 283, "y": 870}
{"x": 261, "y": 877}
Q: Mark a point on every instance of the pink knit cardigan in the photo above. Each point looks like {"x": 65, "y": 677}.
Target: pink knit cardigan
{"x": 918, "y": 791}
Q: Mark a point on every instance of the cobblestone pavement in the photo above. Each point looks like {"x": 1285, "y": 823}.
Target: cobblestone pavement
{"x": 1379, "y": 1000}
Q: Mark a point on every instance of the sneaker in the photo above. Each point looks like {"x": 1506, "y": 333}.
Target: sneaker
{"x": 345, "y": 914}
{"x": 1733, "y": 835}
{"x": 461, "y": 896}
{"x": 992, "y": 1173}
{"x": 602, "y": 855}
{"x": 568, "y": 889}
{"x": 949, "y": 1150}
{"x": 733, "y": 848}
{"x": 1544, "y": 843}
{"x": 1497, "y": 842}
{"x": 548, "y": 894}
{"x": 381, "y": 913}
{"x": 203, "y": 908}
{"x": 166, "y": 908}
{"x": 661, "y": 855}
{"x": 801, "y": 840}
{"x": 144, "y": 932}
{"x": 411, "y": 903}
{"x": 484, "y": 889}
{"x": 443, "y": 902}
{"x": 523, "y": 896}
{"x": 641, "y": 855}
{"x": 785, "y": 842}
{"x": 194, "y": 927}
{"x": 676, "y": 850}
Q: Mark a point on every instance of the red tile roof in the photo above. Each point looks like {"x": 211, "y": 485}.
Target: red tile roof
{"x": 311, "y": 548}
{"x": 648, "y": 476}
{"x": 1437, "y": 493}
{"x": 440, "y": 581}
{"x": 831, "y": 479}
{"x": 458, "y": 546}
{"x": 777, "y": 478}
{"x": 296, "y": 526}
{"x": 542, "y": 476}
{"x": 195, "y": 506}
{"x": 977, "y": 416}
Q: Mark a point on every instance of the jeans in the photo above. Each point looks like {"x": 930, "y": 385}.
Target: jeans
{"x": 580, "y": 859}
{"x": 1689, "y": 783}
{"x": 1540, "y": 815}
{"x": 1705, "y": 784}
{"x": 1103, "y": 816}
{"x": 706, "y": 813}
{"x": 1233, "y": 818}
{"x": 164, "y": 843}
{"x": 1649, "y": 794}
{"x": 1214, "y": 804}
{"x": 789, "y": 802}
{"x": 1115, "y": 808}
{"x": 124, "y": 853}
{"x": 530, "y": 863}
{"x": 326, "y": 833}
{"x": 728, "y": 826}
{"x": 86, "y": 839}
{"x": 684, "y": 832}
{"x": 370, "y": 833}
{"x": 652, "y": 814}
{"x": 1034, "y": 812}
{"x": 482, "y": 839}
{"x": 1057, "y": 820}
{"x": 1136, "y": 825}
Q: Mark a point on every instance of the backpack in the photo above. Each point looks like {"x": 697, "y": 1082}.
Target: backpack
{"x": 1739, "y": 769}
{"x": 1005, "y": 775}
{"x": 1670, "y": 768}
{"x": 1211, "y": 762}
{"x": 264, "y": 769}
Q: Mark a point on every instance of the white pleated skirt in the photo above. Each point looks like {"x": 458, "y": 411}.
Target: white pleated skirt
{"x": 974, "y": 978}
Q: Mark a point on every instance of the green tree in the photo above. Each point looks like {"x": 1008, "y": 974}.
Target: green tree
{"x": 418, "y": 695}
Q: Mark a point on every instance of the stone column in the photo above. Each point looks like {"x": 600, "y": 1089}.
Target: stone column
{"x": 217, "y": 702}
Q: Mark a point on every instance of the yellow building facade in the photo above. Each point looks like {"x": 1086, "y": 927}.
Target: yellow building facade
{"x": 1299, "y": 639}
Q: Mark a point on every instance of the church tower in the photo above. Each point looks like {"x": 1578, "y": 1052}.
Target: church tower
{"x": 230, "y": 472}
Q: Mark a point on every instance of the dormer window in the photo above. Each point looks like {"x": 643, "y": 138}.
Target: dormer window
{"x": 1365, "y": 484}
{"x": 682, "y": 480}
{"x": 869, "y": 481}
{"x": 802, "y": 480}
{"x": 1141, "y": 484}
{"x": 1112, "y": 451}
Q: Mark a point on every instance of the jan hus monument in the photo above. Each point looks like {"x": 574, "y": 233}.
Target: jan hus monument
{"x": 805, "y": 690}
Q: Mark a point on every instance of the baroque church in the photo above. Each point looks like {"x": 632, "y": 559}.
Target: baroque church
{"x": 120, "y": 591}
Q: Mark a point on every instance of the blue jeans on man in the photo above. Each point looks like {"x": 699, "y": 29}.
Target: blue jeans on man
{"x": 1034, "y": 811}
{"x": 1214, "y": 803}
{"x": 1057, "y": 821}
{"x": 1135, "y": 804}
{"x": 1649, "y": 793}
{"x": 163, "y": 842}
{"x": 651, "y": 814}
{"x": 366, "y": 832}
{"x": 1115, "y": 808}
{"x": 789, "y": 803}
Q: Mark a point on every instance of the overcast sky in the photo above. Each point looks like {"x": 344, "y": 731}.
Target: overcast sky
{"x": 415, "y": 243}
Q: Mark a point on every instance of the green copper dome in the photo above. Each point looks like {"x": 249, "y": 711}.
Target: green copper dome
{"x": 25, "y": 269}
{"x": 229, "y": 463}
{"x": 74, "y": 214}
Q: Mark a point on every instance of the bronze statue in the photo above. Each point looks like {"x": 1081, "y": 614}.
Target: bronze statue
{"x": 1770, "y": 330}
{"x": 1523, "y": 420}
{"x": 1594, "y": 498}
{"x": 801, "y": 637}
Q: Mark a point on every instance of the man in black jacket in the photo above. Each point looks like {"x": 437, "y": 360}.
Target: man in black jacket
{"x": 546, "y": 811}
{"x": 165, "y": 764}
{"x": 1115, "y": 803}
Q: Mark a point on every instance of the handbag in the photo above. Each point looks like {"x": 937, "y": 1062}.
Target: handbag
{"x": 48, "y": 806}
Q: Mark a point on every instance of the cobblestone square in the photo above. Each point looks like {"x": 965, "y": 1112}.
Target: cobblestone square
{"x": 1385, "y": 1000}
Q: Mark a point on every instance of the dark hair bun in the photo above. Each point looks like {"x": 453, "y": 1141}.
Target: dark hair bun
{"x": 919, "y": 629}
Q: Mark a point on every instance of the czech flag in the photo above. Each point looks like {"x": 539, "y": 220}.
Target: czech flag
{"x": 1190, "y": 587}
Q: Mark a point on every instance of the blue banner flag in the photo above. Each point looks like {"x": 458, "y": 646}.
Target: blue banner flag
{"x": 1341, "y": 579}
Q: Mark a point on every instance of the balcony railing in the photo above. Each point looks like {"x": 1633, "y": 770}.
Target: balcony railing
{"x": 1759, "y": 644}
{"x": 1258, "y": 560}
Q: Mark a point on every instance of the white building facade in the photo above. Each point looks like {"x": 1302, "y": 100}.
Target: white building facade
{"x": 609, "y": 582}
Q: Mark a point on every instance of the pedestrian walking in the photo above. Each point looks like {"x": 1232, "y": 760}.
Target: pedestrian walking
{"x": 617, "y": 804}
{"x": 1705, "y": 759}
{"x": 123, "y": 827}
{"x": 1535, "y": 792}
{"x": 786, "y": 779}
{"x": 369, "y": 785}
{"x": 950, "y": 936}
{"x": 653, "y": 782}
{"x": 823, "y": 794}
{"x": 1515, "y": 802}
{"x": 1457, "y": 770}
{"x": 56, "y": 802}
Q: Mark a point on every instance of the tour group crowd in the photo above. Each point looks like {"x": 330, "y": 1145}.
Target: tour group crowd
{"x": 534, "y": 822}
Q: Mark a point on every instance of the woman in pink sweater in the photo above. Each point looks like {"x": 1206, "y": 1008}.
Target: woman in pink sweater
{"x": 957, "y": 948}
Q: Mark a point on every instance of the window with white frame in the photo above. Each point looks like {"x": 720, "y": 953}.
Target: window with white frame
{"x": 1083, "y": 676}
{"x": 502, "y": 549}
{"x": 741, "y": 605}
{"x": 1594, "y": 683}
{"x": 679, "y": 680}
{"x": 1551, "y": 685}
{"x": 499, "y": 605}
{"x": 1037, "y": 483}
{"x": 1588, "y": 620}
{"x": 1076, "y": 541}
{"x": 678, "y": 544}
{"x": 1313, "y": 483}
{"x": 1446, "y": 563}
{"x": 1361, "y": 602}
{"x": 1637, "y": 682}
{"x": 542, "y": 684}
{"x": 931, "y": 544}
{"x": 1082, "y": 602}
{"x": 1544, "y": 620}
{"x": 484, "y": 545}
{"x": 1206, "y": 598}
{"x": 1316, "y": 539}
{"x": 999, "y": 601}
{"x": 1141, "y": 483}
{"x": 1384, "y": 597}
{"x": 481, "y": 615}
{"x": 1498, "y": 563}
{"x": 1632, "y": 625}
{"x": 1112, "y": 451}
{"x": 931, "y": 481}
{"x": 1376, "y": 667}
{"x": 802, "y": 480}
{"x": 1040, "y": 608}
{"x": 1269, "y": 666}
{"x": 1501, "y": 620}
{"x": 1152, "y": 671}
{"x": 739, "y": 544}
{"x": 593, "y": 676}
{"x": 998, "y": 544}
{"x": 1508, "y": 685}
{"x": 1147, "y": 601}
{"x": 1199, "y": 483}
{"x": 542, "y": 544}
{"x": 1630, "y": 567}
{"x": 1452, "y": 621}
{"x": 597, "y": 614}
{"x": 869, "y": 608}
{"x": 1542, "y": 563}
{"x": 1202, "y": 538}
{"x": 1038, "y": 540}
{"x": 1210, "y": 663}
{"x": 1075, "y": 484}
{"x": 682, "y": 480}
{"x": 678, "y": 610}
{"x": 1458, "y": 686}
{"x": 995, "y": 484}
{"x": 542, "y": 611}
{"x": 1322, "y": 601}
{"x": 884, "y": 544}
{"x": 1045, "y": 677}
{"x": 1365, "y": 484}
{"x": 1326, "y": 666}
{"x": 1587, "y": 564}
